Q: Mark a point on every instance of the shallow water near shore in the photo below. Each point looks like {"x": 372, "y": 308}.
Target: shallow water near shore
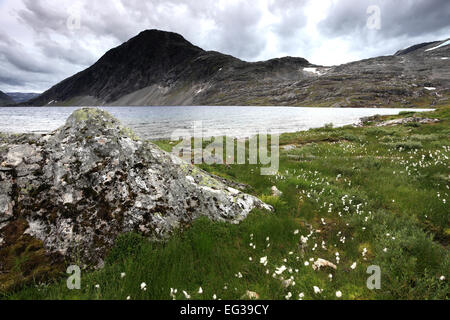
{"x": 162, "y": 122}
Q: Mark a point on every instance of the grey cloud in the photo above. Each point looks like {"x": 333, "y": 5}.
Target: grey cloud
{"x": 74, "y": 54}
{"x": 398, "y": 18}
{"x": 237, "y": 32}
{"x": 15, "y": 54}
{"x": 292, "y": 16}
{"x": 42, "y": 17}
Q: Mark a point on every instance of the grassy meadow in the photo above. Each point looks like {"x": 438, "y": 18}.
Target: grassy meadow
{"x": 354, "y": 196}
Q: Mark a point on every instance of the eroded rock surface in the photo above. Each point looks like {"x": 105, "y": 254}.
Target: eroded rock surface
{"x": 77, "y": 189}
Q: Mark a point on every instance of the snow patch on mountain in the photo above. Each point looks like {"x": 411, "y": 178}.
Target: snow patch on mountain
{"x": 446, "y": 43}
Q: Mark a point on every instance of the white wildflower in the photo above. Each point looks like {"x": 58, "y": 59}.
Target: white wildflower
{"x": 280, "y": 270}
{"x": 186, "y": 295}
{"x": 263, "y": 261}
{"x": 317, "y": 290}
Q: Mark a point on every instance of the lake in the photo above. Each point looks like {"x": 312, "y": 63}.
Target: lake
{"x": 161, "y": 122}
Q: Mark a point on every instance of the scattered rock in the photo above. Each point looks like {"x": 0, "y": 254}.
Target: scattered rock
{"x": 250, "y": 295}
{"x": 276, "y": 192}
{"x": 407, "y": 120}
{"x": 289, "y": 147}
{"x": 322, "y": 263}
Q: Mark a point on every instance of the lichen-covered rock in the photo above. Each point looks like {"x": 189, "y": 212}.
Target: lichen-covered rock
{"x": 77, "y": 189}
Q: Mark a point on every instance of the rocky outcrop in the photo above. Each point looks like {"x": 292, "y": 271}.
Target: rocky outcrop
{"x": 163, "y": 68}
{"x": 76, "y": 189}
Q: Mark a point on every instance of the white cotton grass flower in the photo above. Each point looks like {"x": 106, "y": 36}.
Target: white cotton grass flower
{"x": 238, "y": 275}
{"x": 296, "y": 231}
{"x": 250, "y": 259}
{"x": 317, "y": 290}
{"x": 338, "y": 294}
{"x": 200, "y": 290}
{"x": 215, "y": 297}
{"x": 97, "y": 286}
{"x": 442, "y": 278}
{"x": 301, "y": 295}
{"x": 128, "y": 298}
{"x": 280, "y": 270}
{"x": 122, "y": 275}
{"x": 306, "y": 263}
{"x": 353, "y": 266}
{"x": 263, "y": 261}
{"x": 173, "y": 293}
{"x": 186, "y": 295}
{"x": 144, "y": 286}
{"x": 288, "y": 296}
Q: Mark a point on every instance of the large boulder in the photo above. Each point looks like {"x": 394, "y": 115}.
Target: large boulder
{"x": 76, "y": 189}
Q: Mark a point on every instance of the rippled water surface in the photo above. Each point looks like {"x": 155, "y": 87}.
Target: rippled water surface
{"x": 162, "y": 122}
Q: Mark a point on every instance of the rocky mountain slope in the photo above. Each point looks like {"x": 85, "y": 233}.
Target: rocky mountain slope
{"x": 69, "y": 194}
{"x": 162, "y": 68}
{"x": 5, "y": 99}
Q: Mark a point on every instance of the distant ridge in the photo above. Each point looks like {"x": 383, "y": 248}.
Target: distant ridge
{"x": 5, "y": 99}
{"x": 19, "y": 97}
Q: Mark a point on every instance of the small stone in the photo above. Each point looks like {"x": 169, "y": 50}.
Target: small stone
{"x": 276, "y": 192}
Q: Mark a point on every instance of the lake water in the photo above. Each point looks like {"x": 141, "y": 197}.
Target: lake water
{"x": 161, "y": 122}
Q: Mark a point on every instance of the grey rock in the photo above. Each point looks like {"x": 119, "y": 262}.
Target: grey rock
{"x": 81, "y": 186}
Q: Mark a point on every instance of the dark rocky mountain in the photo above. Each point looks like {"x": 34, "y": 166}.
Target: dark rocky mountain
{"x": 20, "y": 97}
{"x": 5, "y": 99}
{"x": 162, "y": 68}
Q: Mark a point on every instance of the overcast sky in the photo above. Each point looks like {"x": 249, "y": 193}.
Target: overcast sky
{"x": 45, "y": 41}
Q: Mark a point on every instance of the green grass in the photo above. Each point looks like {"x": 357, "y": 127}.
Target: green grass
{"x": 383, "y": 189}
